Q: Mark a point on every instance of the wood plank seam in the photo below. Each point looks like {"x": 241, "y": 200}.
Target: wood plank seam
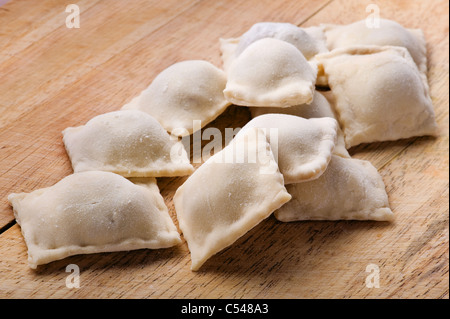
{"x": 7, "y": 226}
{"x": 317, "y": 11}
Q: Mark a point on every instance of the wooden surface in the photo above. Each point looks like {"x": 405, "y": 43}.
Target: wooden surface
{"x": 53, "y": 77}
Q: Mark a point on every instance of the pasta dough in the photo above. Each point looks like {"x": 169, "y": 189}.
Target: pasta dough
{"x": 228, "y": 195}
{"x": 185, "y": 92}
{"x": 380, "y": 94}
{"x": 92, "y": 212}
{"x": 130, "y": 143}
{"x": 310, "y": 41}
{"x": 301, "y": 147}
{"x": 389, "y": 33}
{"x": 270, "y": 72}
{"x": 349, "y": 189}
{"x": 320, "y": 107}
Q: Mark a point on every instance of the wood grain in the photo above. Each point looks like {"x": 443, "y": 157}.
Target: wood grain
{"x": 54, "y": 77}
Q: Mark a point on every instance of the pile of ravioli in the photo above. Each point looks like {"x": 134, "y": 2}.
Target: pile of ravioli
{"x": 291, "y": 159}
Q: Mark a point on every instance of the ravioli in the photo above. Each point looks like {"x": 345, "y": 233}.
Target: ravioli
{"x": 320, "y": 107}
{"x": 130, "y": 143}
{"x": 380, "y": 94}
{"x": 232, "y": 192}
{"x": 349, "y": 189}
{"x": 302, "y": 147}
{"x": 388, "y": 33}
{"x": 92, "y": 212}
{"x": 185, "y": 92}
{"x": 270, "y": 72}
{"x": 309, "y": 41}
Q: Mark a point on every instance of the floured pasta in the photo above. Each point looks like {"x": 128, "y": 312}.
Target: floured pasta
{"x": 350, "y": 189}
{"x": 92, "y": 212}
{"x": 320, "y": 107}
{"x": 270, "y": 72}
{"x": 302, "y": 147}
{"x": 380, "y": 94}
{"x": 310, "y": 41}
{"x": 185, "y": 92}
{"x": 228, "y": 195}
{"x": 130, "y": 143}
{"x": 388, "y": 33}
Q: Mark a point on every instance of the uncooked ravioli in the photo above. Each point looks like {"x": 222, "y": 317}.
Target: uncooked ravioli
{"x": 184, "y": 92}
{"x": 270, "y": 72}
{"x": 302, "y": 147}
{"x": 388, "y": 33}
{"x": 348, "y": 189}
{"x": 309, "y": 41}
{"x": 228, "y": 195}
{"x": 130, "y": 143}
{"x": 380, "y": 94}
{"x": 92, "y": 212}
{"x": 320, "y": 107}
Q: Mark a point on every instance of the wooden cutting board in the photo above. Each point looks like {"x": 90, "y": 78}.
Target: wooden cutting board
{"x": 53, "y": 77}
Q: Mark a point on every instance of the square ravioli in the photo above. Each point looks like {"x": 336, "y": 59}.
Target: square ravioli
{"x": 184, "y": 92}
{"x": 321, "y": 106}
{"x": 388, "y": 33}
{"x": 92, "y": 212}
{"x": 349, "y": 189}
{"x": 380, "y": 94}
{"x": 309, "y": 41}
{"x": 270, "y": 72}
{"x": 302, "y": 147}
{"x": 130, "y": 143}
{"x": 228, "y": 195}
